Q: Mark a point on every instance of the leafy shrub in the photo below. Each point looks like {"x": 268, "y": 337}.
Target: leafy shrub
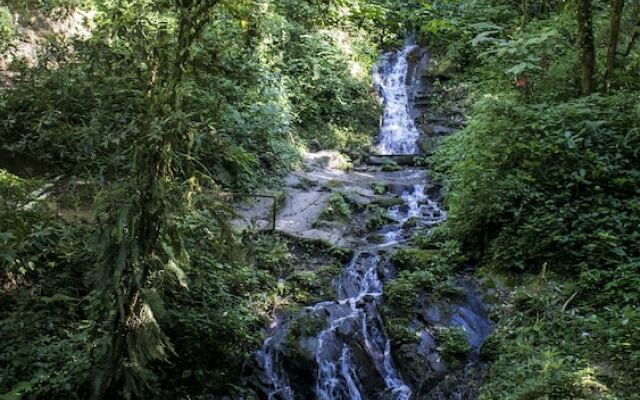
{"x": 390, "y": 166}
{"x": 52, "y": 355}
{"x": 272, "y": 253}
{"x": 212, "y": 330}
{"x": 45, "y": 6}
{"x": 29, "y": 235}
{"x": 377, "y": 217}
{"x": 303, "y": 285}
{"x": 552, "y": 188}
{"x": 332, "y": 101}
{"x": 7, "y": 30}
{"x": 413, "y": 259}
{"x": 490, "y": 348}
{"x": 542, "y": 183}
{"x": 452, "y": 344}
{"x": 214, "y": 325}
{"x": 546, "y": 184}
{"x": 379, "y": 188}
{"x": 447, "y": 289}
{"x": 402, "y": 294}
{"x": 338, "y": 208}
{"x": 402, "y": 291}
{"x": 399, "y": 332}
{"x": 48, "y": 338}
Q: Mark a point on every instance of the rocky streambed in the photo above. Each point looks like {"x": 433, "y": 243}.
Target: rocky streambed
{"x": 405, "y": 322}
{"x": 360, "y": 345}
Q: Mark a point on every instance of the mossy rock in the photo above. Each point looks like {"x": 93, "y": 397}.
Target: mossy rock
{"x": 310, "y": 326}
{"x": 378, "y": 217}
{"x": 304, "y": 326}
{"x": 334, "y": 184}
{"x": 298, "y": 361}
{"x": 304, "y": 184}
{"x": 355, "y": 199}
{"x": 379, "y": 188}
{"x": 413, "y": 258}
{"x": 399, "y": 332}
{"x": 452, "y": 345}
{"x": 391, "y": 166}
{"x": 443, "y": 69}
{"x": 388, "y": 202}
{"x": 411, "y": 223}
{"x": 375, "y": 239}
{"x": 329, "y": 224}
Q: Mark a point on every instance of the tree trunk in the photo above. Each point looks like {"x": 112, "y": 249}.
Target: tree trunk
{"x": 153, "y": 168}
{"x": 614, "y": 34}
{"x": 635, "y": 12}
{"x": 587, "y": 47}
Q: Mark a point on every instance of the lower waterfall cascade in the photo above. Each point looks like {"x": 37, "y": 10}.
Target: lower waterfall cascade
{"x": 353, "y": 318}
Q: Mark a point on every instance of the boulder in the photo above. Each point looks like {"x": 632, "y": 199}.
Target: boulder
{"x": 315, "y": 146}
{"x": 327, "y": 159}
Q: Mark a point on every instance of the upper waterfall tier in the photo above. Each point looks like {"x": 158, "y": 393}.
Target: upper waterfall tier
{"x": 396, "y": 82}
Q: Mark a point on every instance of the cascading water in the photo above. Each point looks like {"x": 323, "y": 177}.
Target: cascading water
{"x": 356, "y": 313}
{"x": 418, "y": 205}
{"x": 353, "y": 322}
{"x": 398, "y": 134}
{"x": 268, "y": 358}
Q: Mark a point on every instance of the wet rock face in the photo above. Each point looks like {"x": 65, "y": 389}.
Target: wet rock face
{"x": 421, "y": 365}
{"x": 426, "y": 365}
{"x": 301, "y": 372}
{"x": 417, "y": 60}
{"x": 438, "y": 106}
{"x": 356, "y": 346}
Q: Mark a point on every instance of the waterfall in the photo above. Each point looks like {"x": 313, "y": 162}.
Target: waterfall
{"x": 268, "y": 358}
{"x": 359, "y": 290}
{"x": 398, "y": 134}
{"x": 353, "y": 320}
{"x": 354, "y": 314}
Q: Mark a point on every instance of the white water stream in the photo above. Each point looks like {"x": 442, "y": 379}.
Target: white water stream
{"x": 354, "y": 318}
{"x": 398, "y": 134}
{"x": 356, "y": 311}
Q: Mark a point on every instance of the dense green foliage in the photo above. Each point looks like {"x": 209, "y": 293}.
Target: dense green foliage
{"x": 143, "y": 124}
{"x": 542, "y": 192}
{"x": 164, "y": 105}
{"x": 281, "y": 78}
{"x": 6, "y": 27}
{"x": 557, "y": 186}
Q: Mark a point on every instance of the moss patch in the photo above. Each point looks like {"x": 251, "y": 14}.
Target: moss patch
{"x": 413, "y": 258}
{"x": 452, "y": 345}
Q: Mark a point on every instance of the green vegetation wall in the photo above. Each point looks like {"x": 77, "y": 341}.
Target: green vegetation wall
{"x": 542, "y": 191}
{"x": 150, "y": 116}
{"x": 264, "y": 80}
